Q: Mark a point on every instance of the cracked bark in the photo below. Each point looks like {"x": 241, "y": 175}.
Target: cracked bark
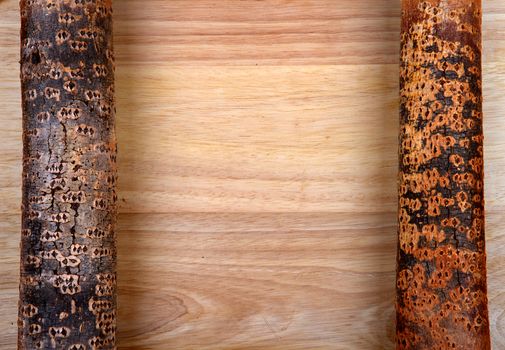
{"x": 441, "y": 271}
{"x": 68, "y": 267}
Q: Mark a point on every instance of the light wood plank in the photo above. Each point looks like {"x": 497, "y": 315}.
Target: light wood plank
{"x": 257, "y": 172}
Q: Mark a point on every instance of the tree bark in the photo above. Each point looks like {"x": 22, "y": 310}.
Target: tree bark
{"x": 441, "y": 271}
{"x": 68, "y": 254}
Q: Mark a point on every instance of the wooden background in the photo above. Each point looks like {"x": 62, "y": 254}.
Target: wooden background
{"x": 258, "y": 146}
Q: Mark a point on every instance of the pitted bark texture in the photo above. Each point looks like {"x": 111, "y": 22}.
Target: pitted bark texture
{"x": 68, "y": 268}
{"x": 441, "y": 276}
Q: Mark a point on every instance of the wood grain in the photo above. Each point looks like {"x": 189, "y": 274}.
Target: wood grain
{"x": 258, "y": 153}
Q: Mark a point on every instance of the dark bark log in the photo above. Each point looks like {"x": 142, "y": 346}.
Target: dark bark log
{"x": 68, "y": 267}
{"x": 441, "y": 273}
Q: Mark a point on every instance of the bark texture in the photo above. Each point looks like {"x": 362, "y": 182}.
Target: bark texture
{"x": 441, "y": 274}
{"x": 68, "y": 268}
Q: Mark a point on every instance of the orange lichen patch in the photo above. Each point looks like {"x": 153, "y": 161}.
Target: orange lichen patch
{"x": 478, "y": 139}
{"x": 433, "y": 233}
{"x": 463, "y": 206}
{"x": 422, "y": 182}
{"x": 435, "y": 202}
{"x": 464, "y": 142}
{"x": 478, "y": 225}
{"x": 409, "y": 238}
{"x": 462, "y": 200}
{"x": 441, "y": 141}
{"x": 473, "y": 70}
{"x": 450, "y": 222}
{"x": 411, "y": 204}
{"x": 468, "y": 52}
{"x": 445, "y": 66}
{"x": 476, "y": 164}
{"x": 465, "y": 297}
{"x": 424, "y": 301}
{"x": 465, "y": 27}
{"x": 433, "y": 208}
{"x": 478, "y": 212}
{"x": 404, "y": 279}
{"x": 464, "y": 178}
{"x": 456, "y": 160}
{"x": 419, "y": 275}
{"x": 423, "y": 254}
{"x": 423, "y": 149}
{"x": 470, "y": 124}
{"x": 403, "y": 216}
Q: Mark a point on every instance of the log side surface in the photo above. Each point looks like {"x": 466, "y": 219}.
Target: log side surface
{"x": 68, "y": 280}
{"x": 441, "y": 273}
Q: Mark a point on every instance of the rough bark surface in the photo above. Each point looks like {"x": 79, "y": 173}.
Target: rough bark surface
{"x": 68, "y": 279}
{"x": 441, "y": 276}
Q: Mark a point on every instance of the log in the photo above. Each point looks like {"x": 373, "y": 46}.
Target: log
{"x": 68, "y": 254}
{"x": 441, "y": 262}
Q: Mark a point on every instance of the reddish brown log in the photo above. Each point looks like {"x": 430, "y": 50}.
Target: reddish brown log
{"x": 441, "y": 275}
{"x": 68, "y": 278}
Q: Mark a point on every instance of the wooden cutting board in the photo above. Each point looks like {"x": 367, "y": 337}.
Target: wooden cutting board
{"x": 258, "y": 170}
